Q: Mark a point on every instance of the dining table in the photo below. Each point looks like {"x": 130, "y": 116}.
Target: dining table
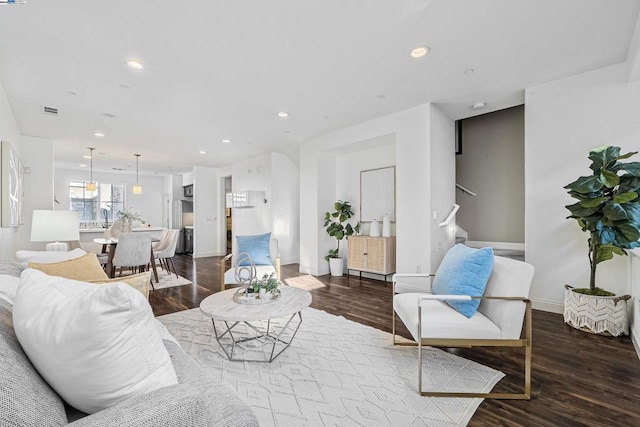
{"x": 112, "y": 244}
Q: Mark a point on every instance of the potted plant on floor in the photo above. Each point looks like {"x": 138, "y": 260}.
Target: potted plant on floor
{"x": 337, "y": 225}
{"x": 608, "y": 208}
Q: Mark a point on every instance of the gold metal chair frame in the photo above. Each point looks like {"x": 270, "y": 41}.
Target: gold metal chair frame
{"x": 450, "y": 342}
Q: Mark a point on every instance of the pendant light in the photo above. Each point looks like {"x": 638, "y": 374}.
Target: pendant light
{"x": 91, "y": 186}
{"x": 137, "y": 189}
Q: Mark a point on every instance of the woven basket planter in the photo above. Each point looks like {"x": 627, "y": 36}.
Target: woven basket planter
{"x": 596, "y": 314}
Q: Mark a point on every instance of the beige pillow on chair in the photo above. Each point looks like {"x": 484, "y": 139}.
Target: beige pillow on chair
{"x": 139, "y": 282}
{"x": 85, "y": 268}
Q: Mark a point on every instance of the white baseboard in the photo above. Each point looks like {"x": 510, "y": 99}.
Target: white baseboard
{"x": 635, "y": 335}
{"x": 549, "y": 306}
{"x": 496, "y": 245}
{"x": 312, "y": 271}
{"x": 206, "y": 254}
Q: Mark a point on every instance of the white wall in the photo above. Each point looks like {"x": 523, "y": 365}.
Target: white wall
{"x": 36, "y": 155}
{"x": 443, "y": 178}
{"x": 8, "y": 132}
{"x": 414, "y": 169}
{"x": 206, "y": 212}
{"x": 285, "y": 207}
{"x": 564, "y": 119}
{"x": 148, "y": 204}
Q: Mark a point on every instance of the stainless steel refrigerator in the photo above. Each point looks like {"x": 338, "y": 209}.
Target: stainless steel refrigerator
{"x": 182, "y": 217}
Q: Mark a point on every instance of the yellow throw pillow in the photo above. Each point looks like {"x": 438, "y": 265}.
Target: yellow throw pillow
{"x": 139, "y": 282}
{"x": 85, "y": 268}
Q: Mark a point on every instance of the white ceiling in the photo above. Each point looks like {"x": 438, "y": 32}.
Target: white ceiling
{"x": 223, "y": 69}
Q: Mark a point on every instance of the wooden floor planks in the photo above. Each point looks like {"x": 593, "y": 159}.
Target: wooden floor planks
{"x": 578, "y": 378}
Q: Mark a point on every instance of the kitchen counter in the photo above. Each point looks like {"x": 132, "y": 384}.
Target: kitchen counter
{"x": 102, "y": 230}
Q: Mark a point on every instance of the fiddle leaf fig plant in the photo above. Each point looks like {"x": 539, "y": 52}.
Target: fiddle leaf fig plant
{"x": 608, "y": 208}
{"x": 337, "y": 225}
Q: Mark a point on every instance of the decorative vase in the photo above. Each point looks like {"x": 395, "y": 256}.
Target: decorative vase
{"x": 375, "y": 229}
{"x": 127, "y": 225}
{"x": 386, "y": 226}
{"x": 596, "y": 314}
{"x": 336, "y": 266}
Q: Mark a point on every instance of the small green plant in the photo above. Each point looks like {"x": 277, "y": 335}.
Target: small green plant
{"x": 608, "y": 208}
{"x": 268, "y": 282}
{"x": 337, "y": 225}
{"x": 127, "y": 213}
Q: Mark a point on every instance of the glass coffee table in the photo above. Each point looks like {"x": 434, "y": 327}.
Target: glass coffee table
{"x": 255, "y": 332}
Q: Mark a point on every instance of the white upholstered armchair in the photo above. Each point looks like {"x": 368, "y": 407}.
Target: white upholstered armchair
{"x": 263, "y": 251}
{"x": 503, "y": 308}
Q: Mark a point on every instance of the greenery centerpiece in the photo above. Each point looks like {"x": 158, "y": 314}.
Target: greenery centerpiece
{"x": 127, "y": 216}
{"x": 337, "y": 225}
{"x": 608, "y": 208}
{"x": 268, "y": 282}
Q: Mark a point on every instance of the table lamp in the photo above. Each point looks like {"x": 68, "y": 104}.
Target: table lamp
{"x": 55, "y": 226}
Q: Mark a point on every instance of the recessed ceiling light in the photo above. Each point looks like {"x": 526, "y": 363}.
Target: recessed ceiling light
{"x": 86, "y": 157}
{"x": 135, "y": 65}
{"x": 202, "y": 152}
{"x": 98, "y": 134}
{"x": 226, "y": 141}
{"x": 420, "y": 51}
{"x": 82, "y": 165}
{"x": 468, "y": 71}
{"x": 479, "y": 105}
{"x": 283, "y": 114}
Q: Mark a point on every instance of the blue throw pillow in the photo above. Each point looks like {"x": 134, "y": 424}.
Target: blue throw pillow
{"x": 464, "y": 271}
{"x": 257, "y": 247}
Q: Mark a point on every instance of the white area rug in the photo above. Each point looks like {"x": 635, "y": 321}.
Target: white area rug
{"x": 168, "y": 280}
{"x": 340, "y": 373}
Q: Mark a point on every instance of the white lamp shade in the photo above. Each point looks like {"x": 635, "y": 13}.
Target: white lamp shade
{"x": 137, "y": 189}
{"x": 51, "y": 226}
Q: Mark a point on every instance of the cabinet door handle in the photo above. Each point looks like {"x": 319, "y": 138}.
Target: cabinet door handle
{"x": 365, "y": 253}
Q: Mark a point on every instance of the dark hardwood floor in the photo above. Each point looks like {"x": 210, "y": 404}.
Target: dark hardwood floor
{"x": 578, "y": 378}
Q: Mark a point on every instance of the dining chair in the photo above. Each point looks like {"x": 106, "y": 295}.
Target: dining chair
{"x": 445, "y": 319}
{"x": 133, "y": 252}
{"x": 163, "y": 241}
{"x": 165, "y": 255}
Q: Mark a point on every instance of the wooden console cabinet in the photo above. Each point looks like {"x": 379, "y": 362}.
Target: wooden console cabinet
{"x": 372, "y": 255}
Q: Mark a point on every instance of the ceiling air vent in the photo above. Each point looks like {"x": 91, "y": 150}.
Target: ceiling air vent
{"x": 49, "y": 110}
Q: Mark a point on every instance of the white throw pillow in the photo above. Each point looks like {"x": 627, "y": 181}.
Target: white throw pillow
{"x": 96, "y": 345}
{"x": 25, "y": 257}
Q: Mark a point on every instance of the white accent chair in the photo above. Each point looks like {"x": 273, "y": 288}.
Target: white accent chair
{"x": 228, "y": 278}
{"x": 503, "y": 309}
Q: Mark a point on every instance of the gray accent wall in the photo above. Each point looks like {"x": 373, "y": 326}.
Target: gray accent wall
{"x": 492, "y": 166}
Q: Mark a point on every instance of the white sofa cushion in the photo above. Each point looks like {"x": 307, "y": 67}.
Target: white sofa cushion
{"x": 439, "y": 320}
{"x": 95, "y": 345}
{"x": 8, "y": 287}
{"x": 25, "y": 257}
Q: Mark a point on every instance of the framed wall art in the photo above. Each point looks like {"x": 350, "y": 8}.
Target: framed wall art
{"x": 378, "y": 194}
{"x": 10, "y": 186}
